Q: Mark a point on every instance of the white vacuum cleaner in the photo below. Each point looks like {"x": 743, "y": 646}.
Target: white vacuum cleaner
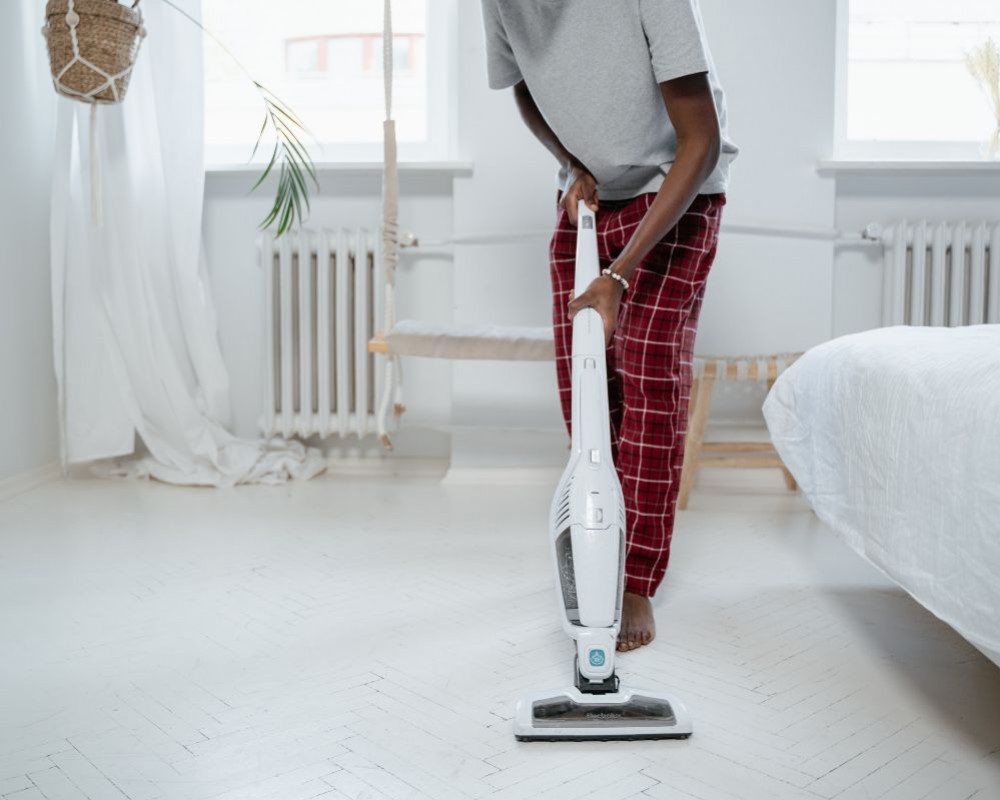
{"x": 587, "y": 523}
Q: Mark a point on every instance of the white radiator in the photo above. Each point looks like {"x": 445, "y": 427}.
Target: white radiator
{"x": 321, "y": 300}
{"x": 941, "y": 274}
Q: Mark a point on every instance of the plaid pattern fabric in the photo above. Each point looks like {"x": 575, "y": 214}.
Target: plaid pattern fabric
{"x": 649, "y": 364}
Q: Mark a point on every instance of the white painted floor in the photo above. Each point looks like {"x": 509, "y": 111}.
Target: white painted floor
{"x": 367, "y": 638}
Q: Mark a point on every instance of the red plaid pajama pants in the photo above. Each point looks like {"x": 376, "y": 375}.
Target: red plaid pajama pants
{"x": 649, "y": 364}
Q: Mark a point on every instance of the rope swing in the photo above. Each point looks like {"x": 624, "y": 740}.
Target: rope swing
{"x": 392, "y": 382}
{"x": 428, "y": 340}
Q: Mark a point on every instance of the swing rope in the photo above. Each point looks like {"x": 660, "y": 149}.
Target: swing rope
{"x": 392, "y": 386}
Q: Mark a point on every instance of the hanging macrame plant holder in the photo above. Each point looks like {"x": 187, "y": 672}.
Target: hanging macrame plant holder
{"x": 93, "y": 46}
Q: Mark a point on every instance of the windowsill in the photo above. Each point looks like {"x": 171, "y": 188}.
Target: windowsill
{"x": 902, "y": 167}
{"x": 453, "y": 168}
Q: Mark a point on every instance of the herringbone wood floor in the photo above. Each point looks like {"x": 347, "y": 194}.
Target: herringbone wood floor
{"x": 367, "y": 638}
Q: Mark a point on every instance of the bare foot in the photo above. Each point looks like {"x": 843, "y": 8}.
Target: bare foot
{"x": 638, "y": 626}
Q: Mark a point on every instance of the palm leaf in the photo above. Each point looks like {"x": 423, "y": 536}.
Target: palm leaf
{"x": 260, "y": 138}
{"x": 267, "y": 171}
{"x": 289, "y": 154}
{"x": 295, "y": 162}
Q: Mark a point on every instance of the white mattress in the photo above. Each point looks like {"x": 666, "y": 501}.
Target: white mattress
{"x": 894, "y": 437}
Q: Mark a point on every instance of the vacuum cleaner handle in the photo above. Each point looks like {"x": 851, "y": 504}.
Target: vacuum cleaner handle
{"x": 588, "y": 265}
{"x": 590, "y": 421}
{"x": 588, "y": 326}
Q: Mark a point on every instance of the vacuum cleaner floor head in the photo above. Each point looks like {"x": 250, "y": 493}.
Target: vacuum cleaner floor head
{"x": 571, "y": 715}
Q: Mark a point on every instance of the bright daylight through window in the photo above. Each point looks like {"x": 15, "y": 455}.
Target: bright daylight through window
{"x": 322, "y": 58}
{"x": 906, "y": 76}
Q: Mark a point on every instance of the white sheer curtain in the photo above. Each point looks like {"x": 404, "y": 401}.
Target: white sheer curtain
{"x": 136, "y": 350}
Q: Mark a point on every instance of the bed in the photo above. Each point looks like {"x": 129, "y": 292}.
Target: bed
{"x": 894, "y": 437}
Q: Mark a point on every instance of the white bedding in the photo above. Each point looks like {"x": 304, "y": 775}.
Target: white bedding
{"x": 894, "y": 437}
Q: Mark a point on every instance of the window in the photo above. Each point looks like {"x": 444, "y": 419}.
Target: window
{"x": 304, "y": 57}
{"x": 903, "y": 87}
{"x": 325, "y": 60}
{"x": 350, "y": 57}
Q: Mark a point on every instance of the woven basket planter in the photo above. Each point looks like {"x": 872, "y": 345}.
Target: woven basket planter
{"x": 92, "y": 47}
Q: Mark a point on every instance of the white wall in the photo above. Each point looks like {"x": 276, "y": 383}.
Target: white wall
{"x": 28, "y": 424}
{"x": 772, "y": 295}
{"x": 776, "y": 59}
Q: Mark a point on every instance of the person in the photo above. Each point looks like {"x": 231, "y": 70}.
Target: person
{"x": 625, "y": 95}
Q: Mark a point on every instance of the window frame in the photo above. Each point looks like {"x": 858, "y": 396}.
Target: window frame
{"x": 845, "y": 149}
{"x": 441, "y": 50}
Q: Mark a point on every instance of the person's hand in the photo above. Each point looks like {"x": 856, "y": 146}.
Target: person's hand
{"x": 583, "y": 187}
{"x": 605, "y": 296}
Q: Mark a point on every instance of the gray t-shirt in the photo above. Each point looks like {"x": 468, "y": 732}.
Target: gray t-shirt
{"x": 593, "y": 68}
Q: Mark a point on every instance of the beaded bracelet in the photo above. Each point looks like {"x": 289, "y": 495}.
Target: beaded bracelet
{"x": 616, "y": 277}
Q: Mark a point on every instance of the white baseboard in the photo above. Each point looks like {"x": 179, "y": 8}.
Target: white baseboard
{"x": 440, "y": 468}
{"x": 26, "y": 481}
{"x": 387, "y": 466}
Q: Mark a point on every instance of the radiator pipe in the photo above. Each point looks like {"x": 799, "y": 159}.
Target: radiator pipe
{"x": 871, "y": 235}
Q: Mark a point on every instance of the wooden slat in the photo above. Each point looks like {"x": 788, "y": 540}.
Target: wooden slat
{"x": 738, "y": 447}
{"x": 732, "y": 370}
{"x": 730, "y": 455}
{"x": 378, "y": 344}
{"x": 743, "y": 462}
{"x": 701, "y": 399}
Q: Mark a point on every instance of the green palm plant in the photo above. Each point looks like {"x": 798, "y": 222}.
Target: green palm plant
{"x": 296, "y": 169}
